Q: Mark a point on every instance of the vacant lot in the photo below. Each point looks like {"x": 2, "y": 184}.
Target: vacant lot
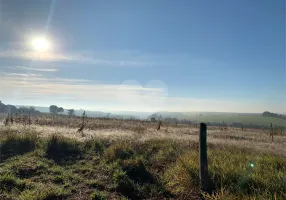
{"x": 116, "y": 159}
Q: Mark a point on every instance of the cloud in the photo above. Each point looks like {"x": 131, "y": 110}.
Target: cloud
{"x": 119, "y": 58}
{"x": 21, "y": 74}
{"x": 34, "y": 89}
{"x": 34, "y": 69}
{"x": 92, "y": 59}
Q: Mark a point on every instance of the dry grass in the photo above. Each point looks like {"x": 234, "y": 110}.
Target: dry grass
{"x": 114, "y": 129}
{"x": 116, "y": 159}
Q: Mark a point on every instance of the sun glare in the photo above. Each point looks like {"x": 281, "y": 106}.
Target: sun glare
{"x": 41, "y": 44}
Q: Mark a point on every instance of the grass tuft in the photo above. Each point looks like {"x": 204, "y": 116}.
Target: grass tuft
{"x": 118, "y": 151}
{"x": 15, "y": 144}
{"x": 62, "y": 149}
{"x": 98, "y": 195}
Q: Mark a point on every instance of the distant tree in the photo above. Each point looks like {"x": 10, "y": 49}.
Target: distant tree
{"x": 270, "y": 114}
{"x": 11, "y": 109}
{"x": 32, "y": 109}
{"x": 60, "y": 110}
{"x": 23, "y": 110}
{"x": 54, "y": 109}
{"x": 3, "y": 107}
{"x": 71, "y": 112}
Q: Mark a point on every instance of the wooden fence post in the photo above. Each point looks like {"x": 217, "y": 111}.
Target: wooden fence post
{"x": 271, "y": 131}
{"x": 29, "y": 119}
{"x": 204, "y": 176}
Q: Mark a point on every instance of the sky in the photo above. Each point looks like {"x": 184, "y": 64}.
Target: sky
{"x": 163, "y": 55}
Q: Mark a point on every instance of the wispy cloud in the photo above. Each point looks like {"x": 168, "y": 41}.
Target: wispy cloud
{"x": 34, "y": 69}
{"x": 94, "y": 59}
{"x": 21, "y": 74}
{"x": 118, "y": 58}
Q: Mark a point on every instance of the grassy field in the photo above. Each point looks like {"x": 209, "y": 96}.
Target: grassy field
{"x": 116, "y": 159}
{"x": 245, "y": 119}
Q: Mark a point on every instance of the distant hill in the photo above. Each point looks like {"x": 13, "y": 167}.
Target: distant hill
{"x": 251, "y": 119}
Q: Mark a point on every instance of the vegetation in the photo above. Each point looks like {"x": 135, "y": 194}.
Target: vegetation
{"x": 55, "y": 109}
{"x": 14, "y": 110}
{"x": 71, "y": 112}
{"x": 62, "y": 168}
{"x": 270, "y": 114}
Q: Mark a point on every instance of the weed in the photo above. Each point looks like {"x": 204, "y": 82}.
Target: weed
{"x": 98, "y": 195}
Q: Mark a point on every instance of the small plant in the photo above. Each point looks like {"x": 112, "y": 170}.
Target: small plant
{"x": 98, "y": 195}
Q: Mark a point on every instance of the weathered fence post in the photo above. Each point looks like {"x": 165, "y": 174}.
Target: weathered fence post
{"x": 271, "y": 131}
{"x": 204, "y": 176}
{"x": 29, "y": 119}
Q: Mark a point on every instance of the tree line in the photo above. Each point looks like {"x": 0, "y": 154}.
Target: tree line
{"x": 270, "y": 114}
{"x": 11, "y": 109}
{"x": 57, "y": 110}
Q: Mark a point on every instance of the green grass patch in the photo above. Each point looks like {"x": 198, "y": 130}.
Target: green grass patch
{"x": 17, "y": 144}
{"x": 61, "y": 149}
{"x": 62, "y": 168}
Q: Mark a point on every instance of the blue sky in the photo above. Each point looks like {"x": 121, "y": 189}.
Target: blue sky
{"x": 191, "y": 55}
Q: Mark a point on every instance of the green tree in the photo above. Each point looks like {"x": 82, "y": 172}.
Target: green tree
{"x": 3, "y": 107}
{"x": 71, "y": 112}
{"x": 60, "y": 110}
{"x": 54, "y": 109}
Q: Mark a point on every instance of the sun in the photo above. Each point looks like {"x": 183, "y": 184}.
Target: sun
{"x": 41, "y": 44}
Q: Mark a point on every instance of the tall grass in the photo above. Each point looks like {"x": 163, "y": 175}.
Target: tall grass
{"x": 65, "y": 168}
{"x": 17, "y": 144}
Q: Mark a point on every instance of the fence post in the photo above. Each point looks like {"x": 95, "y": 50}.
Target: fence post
{"x": 271, "y": 131}
{"x": 204, "y": 176}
